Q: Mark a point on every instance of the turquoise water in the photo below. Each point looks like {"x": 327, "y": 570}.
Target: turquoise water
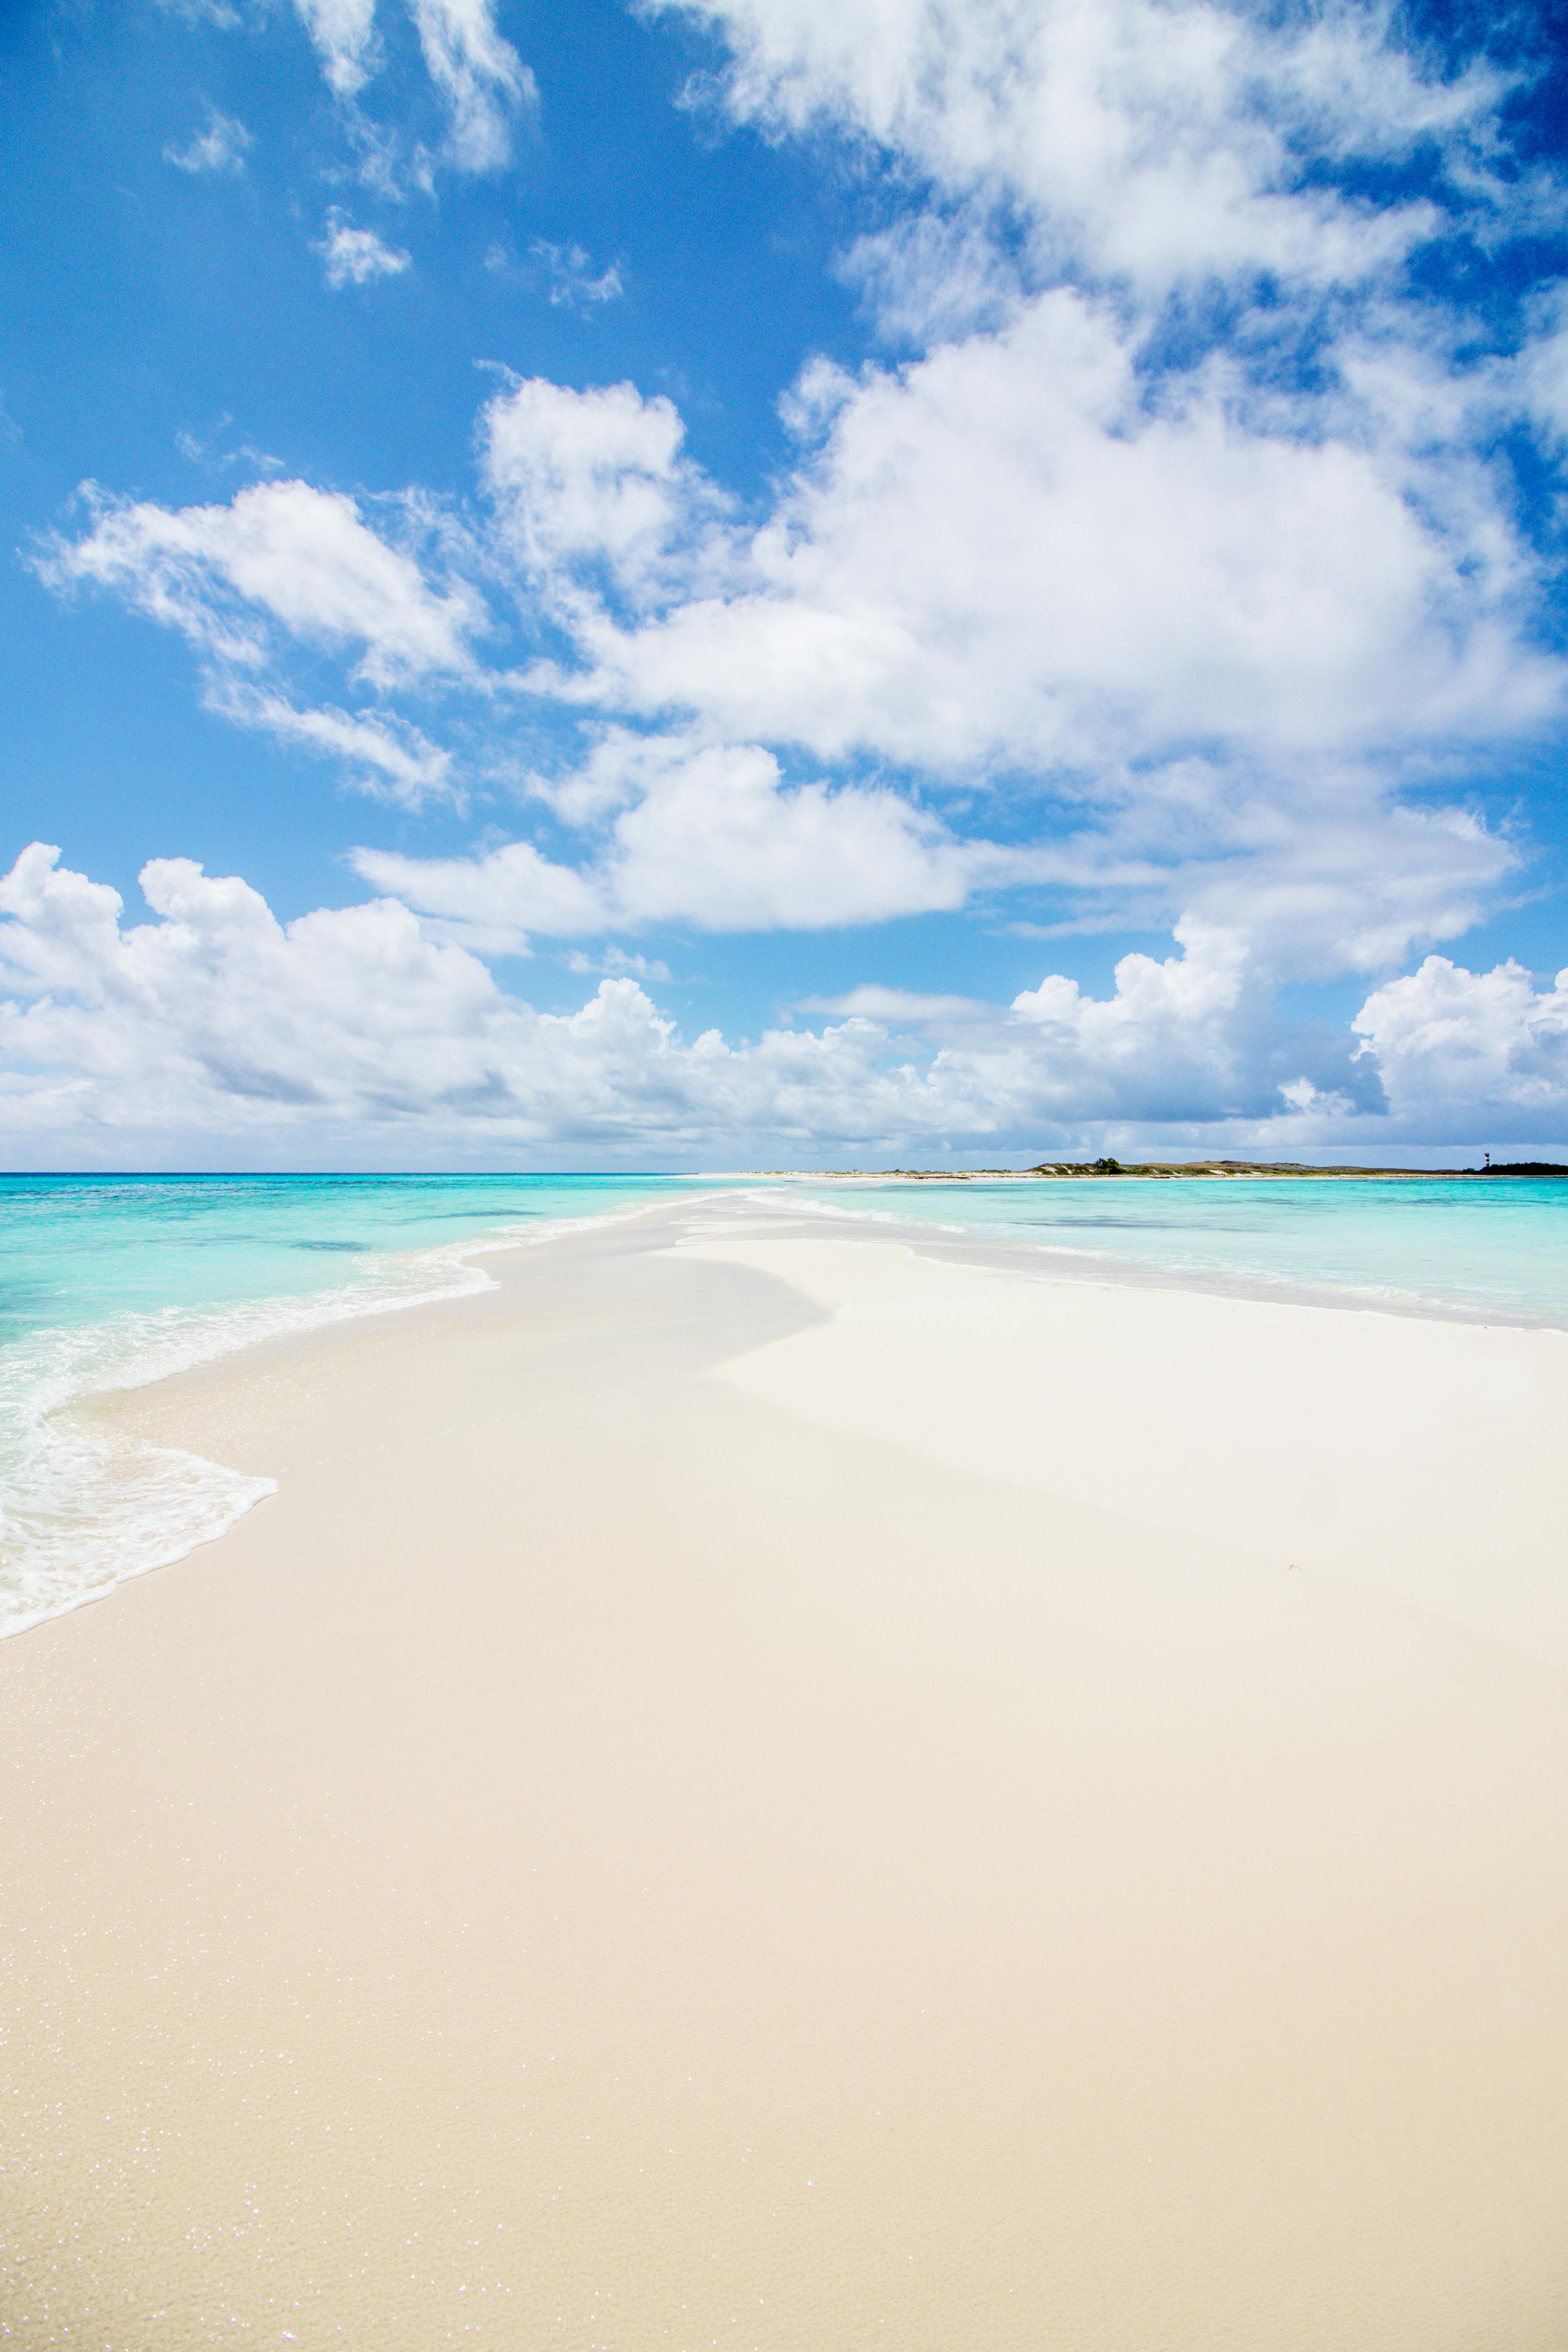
{"x": 1493, "y": 1250}
{"x": 110, "y": 1282}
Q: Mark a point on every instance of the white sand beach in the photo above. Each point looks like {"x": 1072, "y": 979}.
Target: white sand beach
{"x": 755, "y": 1787}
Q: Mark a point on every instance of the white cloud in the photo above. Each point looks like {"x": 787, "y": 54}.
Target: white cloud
{"x": 590, "y": 480}
{"x": 712, "y": 837}
{"x": 357, "y": 256}
{"x": 344, "y": 33}
{"x": 574, "y": 285}
{"x": 350, "y": 1029}
{"x": 283, "y": 552}
{"x": 479, "y": 74}
{"x": 1323, "y": 873}
{"x": 1145, "y": 142}
{"x": 221, "y": 147}
{"x": 899, "y": 1007}
{"x": 1176, "y": 1025}
{"x": 500, "y": 897}
{"x": 1538, "y": 379}
{"x": 1104, "y": 565}
{"x": 997, "y": 562}
{"x": 933, "y": 279}
{"x": 383, "y": 755}
{"x": 215, "y": 1010}
{"x": 721, "y": 841}
{"x": 482, "y": 81}
{"x": 617, "y": 962}
{"x": 212, "y": 459}
{"x": 1459, "y": 1047}
{"x": 1000, "y": 565}
{"x": 1006, "y": 553}
{"x": 215, "y": 1019}
{"x": 203, "y": 12}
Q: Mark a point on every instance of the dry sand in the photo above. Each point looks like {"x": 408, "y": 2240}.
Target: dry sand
{"x": 756, "y": 1790}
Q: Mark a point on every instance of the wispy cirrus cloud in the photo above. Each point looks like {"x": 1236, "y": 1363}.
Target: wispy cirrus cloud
{"x": 221, "y": 147}
{"x": 344, "y": 34}
{"x": 482, "y": 82}
{"x": 480, "y": 74}
{"x": 573, "y": 281}
{"x": 357, "y": 256}
{"x": 381, "y": 754}
{"x": 209, "y": 452}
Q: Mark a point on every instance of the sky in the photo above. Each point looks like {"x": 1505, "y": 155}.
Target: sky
{"x": 781, "y": 582}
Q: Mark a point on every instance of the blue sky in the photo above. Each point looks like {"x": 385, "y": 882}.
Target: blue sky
{"x": 819, "y": 582}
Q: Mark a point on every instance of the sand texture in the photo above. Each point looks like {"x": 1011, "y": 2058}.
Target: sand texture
{"x": 756, "y": 1789}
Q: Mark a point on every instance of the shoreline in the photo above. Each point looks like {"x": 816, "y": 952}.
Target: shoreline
{"x": 1059, "y": 1262}
{"x": 304, "y": 1314}
{"x": 752, "y": 1784}
{"x": 210, "y": 1336}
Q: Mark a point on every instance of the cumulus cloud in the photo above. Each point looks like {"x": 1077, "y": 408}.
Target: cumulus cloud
{"x": 721, "y": 841}
{"x": 591, "y": 487}
{"x": 1180, "y": 1037}
{"x": 997, "y": 558}
{"x": 279, "y": 552}
{"x": 348, "y": 1028}
{"x": 221, "y": 147}
{"x": 712, "y": 835}
{"x": 1324, "y": 874}
{"x": 1459, "y": 1047}
{"x": 357, "y": 256}
{"x": 493, "y": 901}
{"x": 965, "y": 581}
{"x": 1146, "y": 142}
{"x": 353, "y": 1028}
{"x": 1166, "y": 562}
{"x": 1005, "y": 553}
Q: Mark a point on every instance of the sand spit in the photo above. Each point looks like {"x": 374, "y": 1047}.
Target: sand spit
{"x": 755, "y": 1788}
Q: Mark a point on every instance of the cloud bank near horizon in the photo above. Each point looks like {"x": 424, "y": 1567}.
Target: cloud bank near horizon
{"x": 350, "y": 1034}
{"x": 1164, "y": 566}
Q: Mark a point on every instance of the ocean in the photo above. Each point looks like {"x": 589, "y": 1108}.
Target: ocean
{"x": 110, "y": 1282}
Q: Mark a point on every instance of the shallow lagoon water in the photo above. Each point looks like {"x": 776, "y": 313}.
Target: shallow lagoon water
{"x": 1491, "y": 1249}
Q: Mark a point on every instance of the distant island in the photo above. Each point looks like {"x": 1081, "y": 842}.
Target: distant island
{"x": 1166, "y": 1169}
